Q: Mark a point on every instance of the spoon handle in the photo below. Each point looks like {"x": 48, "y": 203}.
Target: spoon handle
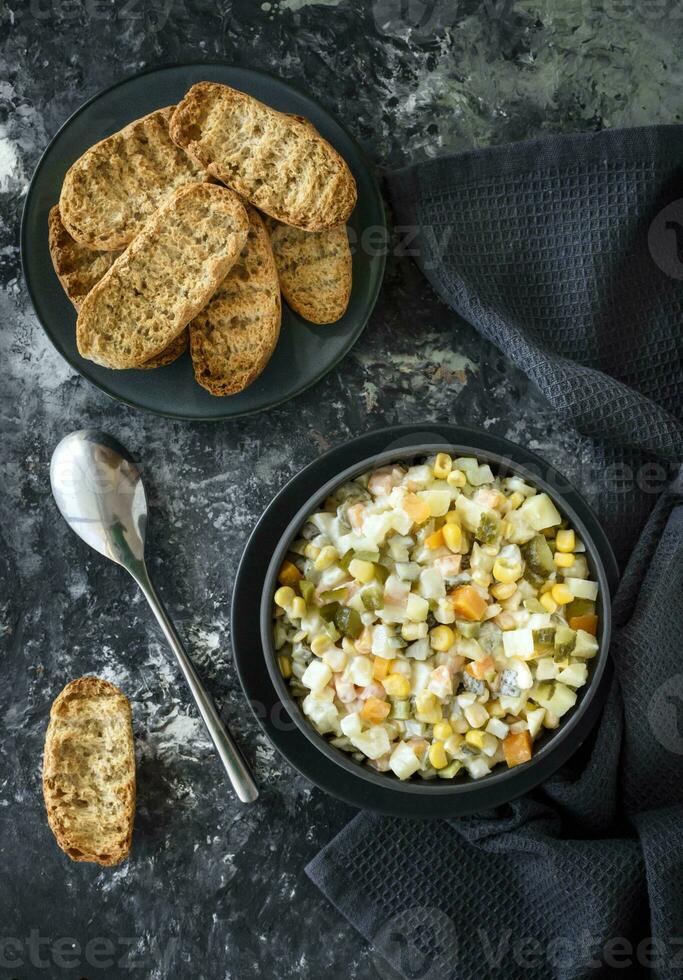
{"x": 232, "y": 760}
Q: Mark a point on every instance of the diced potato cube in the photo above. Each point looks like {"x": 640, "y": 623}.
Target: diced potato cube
{"x": 403, "y": 762}
{"x": 575, "y": 675}
{"x": 539, "y": 512}
{"x": 317, "y": 675}
{"x": 582, "y": 588}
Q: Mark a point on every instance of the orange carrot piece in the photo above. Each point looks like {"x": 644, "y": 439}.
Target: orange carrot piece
{"x": 434, "y": 540}
{"x": 375, "y": 710}
{"x": 480, "y": 668}
{"x": 416, "y": 508}
{"x": 517, "y": 748}
{"x": 289, "y": 574}
{"x": 588, "y": 623}
{"x": 467, "y": 603}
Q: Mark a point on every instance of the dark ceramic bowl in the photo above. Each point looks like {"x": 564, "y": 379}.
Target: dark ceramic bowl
{"x": 553, "y": 747}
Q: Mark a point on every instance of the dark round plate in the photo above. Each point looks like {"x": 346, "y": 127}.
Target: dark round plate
{"x": 305, "y": 352}
{"x": 248, "y": 652}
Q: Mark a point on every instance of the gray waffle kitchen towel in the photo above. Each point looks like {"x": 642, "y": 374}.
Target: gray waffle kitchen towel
{"x": 566, "y": 253}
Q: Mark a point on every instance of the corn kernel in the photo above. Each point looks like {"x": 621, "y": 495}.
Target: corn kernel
{"x": 443, "y": 730}
{"x": 441, "y": 638}
{"x": 289, "y": 574}
{"x": 563, "y": 560}
{"x": 503, "y": 591}
{"x": 328, "y": 556}
{"x": 437, "y": 755}
{"x": 362, "y": 571}
{"x": 561, "y": 593}
{"x": 452, "y": 517}
{"x": 475, "y": 737}
{"x": 456, "y": 478}
{"x": 434, "y": 540}
{"x": 380, "y": 668}
{"x": 506, "y": 573}
{"x": 453, "y": 743}
{"x": 284, "y": 596}
{"x": 311, "y": 551}
{"x": 452, "y": 536}
{"x": 565, "y": 541}
{"x": 443, "y": 464}
{"x": 516, "y": 500}
{"x": 319, "y": 644}
{"x": 285, "y": 665}
{"x": 428, "y": 708}
{"x": 413, "y": 631}
{"x": 495, "y": 709}
{"x": 298, "y": 608}
{"x": 548, "y": 603}
{"x": 396, "y": 686}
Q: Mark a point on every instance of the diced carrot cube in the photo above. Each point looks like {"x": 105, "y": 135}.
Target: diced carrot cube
{"x": 587, "y": 623}
{"x": 517, "y": 748}
{"x": 355, "y": 515}
{"x": 380, "y": 668}
{"x": 434, "y": 540}
{"x": 375, "y": 710}
{"x": 467, "y": 603}
{"x": 416, "y": 508}
{"x": 480, "y": 668}
{"x": 289, "y": 574}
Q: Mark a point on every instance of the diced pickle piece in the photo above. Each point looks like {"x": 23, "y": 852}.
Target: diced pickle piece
{"x": 372, "y": 597}
{"x": 565, "y": 638}
{"x": 538, "y": 556}
{"x": 348, "y": 622}
{"x": 544, "y": 640}
{"x": 489, "y": 529}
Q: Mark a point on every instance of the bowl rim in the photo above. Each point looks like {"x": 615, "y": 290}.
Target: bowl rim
{"x": 406, "y": 450}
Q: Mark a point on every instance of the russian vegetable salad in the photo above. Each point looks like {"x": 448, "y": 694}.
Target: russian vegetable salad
{"x": 433, "y": 619}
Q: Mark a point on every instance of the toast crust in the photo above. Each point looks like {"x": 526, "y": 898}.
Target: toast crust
{"x": 233, "y": 338}
{"x": 314, "y": 269}
{"x": 164, "y": 278}
{"x": 276, "y": 161}
{"x": 89, "y": 772}
{"x": 109, "y": 193}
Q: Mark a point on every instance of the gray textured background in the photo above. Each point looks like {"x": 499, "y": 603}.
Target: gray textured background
{"x": 214, "y": 890}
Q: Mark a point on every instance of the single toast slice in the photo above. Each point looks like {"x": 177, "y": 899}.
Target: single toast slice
{"x": 164, "y": 278}
{"x": 314, "y": 268}
{"x": 110, "y": 192}
{"x": 278, "y": 162}
{"x": 79, "y": 269}
{"x": 232, "y": 339}
{"x": 89, "y": 772}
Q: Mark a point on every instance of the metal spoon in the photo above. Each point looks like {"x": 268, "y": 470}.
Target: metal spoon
{"x": 100, "y": 495}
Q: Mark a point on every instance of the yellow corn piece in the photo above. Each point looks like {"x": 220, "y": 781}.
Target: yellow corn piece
{"x": 328, "y": 556}
{"x": 285, "y": 666}
{"x": 456, "y": 478}
{"x": 284, "y": 596}
{"x": 475, "y": 737}
{"x": 289, "y": 574}
{"x": 548, "y": 603}
{"x": 452, "y": 536}
{"x": 452, "y": 517}
{"x": 437, "y": 755}
{"x": 561, "y": 593}
{"x": 453, "y": 743}
{"x": 298, "y": 607}
{"x": 441, "y": 638}
{"x": 380, "y": 668}
{"x": 563, "y": 560}
{"x": 319, "y": 644}
{"x": 362, "y": 571}
{"x": 503, "y": 591}
{"x": 516, "y": 500}
{"x": 443, "y": 730}
{"x": 506, "y": 573}
{"x": 565, "y": 541}
{"x": 396, "y": 686}
{"x": 311, "y": 551}
{"x": 443, "y": 464}
{"x": 496, "y": 710}
{"x": 434, "y": 540}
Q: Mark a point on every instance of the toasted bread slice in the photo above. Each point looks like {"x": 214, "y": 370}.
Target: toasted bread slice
{"x": 89, "y": 772}
{"x": 232, "y": 339}
{"x": 109, "y": 193}
{"x": 164, "y": 278}
{"x": 79, "y": 269}
{"x": 278, "y": 162}
{"x": 314, "y": 268}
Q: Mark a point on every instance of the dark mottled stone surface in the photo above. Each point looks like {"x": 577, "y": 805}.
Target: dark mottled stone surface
{"x": 213, "y": 889}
